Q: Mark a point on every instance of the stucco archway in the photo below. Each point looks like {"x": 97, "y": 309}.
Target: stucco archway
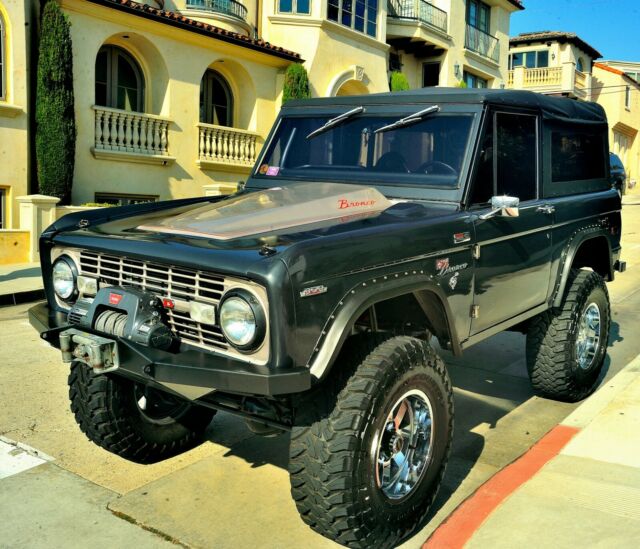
{"x": 242, "y": 89}
{"x": 352, "y": 87}
{"x": 152, "y": 65}
{"x": 353, "y": 81}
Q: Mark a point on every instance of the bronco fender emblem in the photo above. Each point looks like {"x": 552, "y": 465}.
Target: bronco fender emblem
{"x": 314, "y": 290}
{"x": 443, "y": 267}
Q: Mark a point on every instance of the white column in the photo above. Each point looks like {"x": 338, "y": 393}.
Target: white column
{"x": 37, "y": 212}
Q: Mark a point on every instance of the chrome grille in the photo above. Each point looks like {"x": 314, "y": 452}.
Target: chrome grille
{"x": 164, "y": 281}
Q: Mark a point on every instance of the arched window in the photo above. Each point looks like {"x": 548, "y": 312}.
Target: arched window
{"x": 3, "y": 83}
{"x": 216, "y": 100}
{"x": 580, "y": 64}
{"x": 119, "y": 80}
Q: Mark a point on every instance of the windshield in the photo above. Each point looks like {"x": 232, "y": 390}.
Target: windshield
{"x": 427, "y": 153}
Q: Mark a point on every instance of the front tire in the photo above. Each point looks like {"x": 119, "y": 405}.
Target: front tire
{"x": 366, "y": 465}
{"x": 566, "y": 347}
{"x": 134, "y": 422}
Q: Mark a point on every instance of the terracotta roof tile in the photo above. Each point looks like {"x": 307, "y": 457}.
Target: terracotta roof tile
{"x": 186, "y": 23}
{"x": 555, "y": 36}
{"x": 624, "y": 75}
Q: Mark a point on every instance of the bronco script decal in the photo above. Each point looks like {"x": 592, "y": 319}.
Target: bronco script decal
{"x": 344, "y": 203}
{"x": 443, "y": 267}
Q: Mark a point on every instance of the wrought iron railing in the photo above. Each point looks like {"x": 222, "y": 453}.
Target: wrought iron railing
{"x": 483, "y": 43}
{"x": 228, "y": 7}
{"x": 420, "y": 10}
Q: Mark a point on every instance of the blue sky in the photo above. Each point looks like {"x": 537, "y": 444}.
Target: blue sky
{"x": 611, "y": 26}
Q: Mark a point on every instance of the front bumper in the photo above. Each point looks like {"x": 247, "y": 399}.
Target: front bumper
{"x": 191, "y": 374}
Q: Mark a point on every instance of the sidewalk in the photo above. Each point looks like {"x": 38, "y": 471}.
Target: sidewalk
{"x": 20, "y": 283}
{"x": 579, "y": 486}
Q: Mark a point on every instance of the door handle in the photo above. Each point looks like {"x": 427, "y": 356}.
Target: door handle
{"x": 546, "y": 209}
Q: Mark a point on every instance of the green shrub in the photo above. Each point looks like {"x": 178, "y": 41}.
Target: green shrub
{"x": 399, "y": 82}
{"x": 296, "y": 83}
{"x": 55, "y": 117}
{"x": 461, "y": 84}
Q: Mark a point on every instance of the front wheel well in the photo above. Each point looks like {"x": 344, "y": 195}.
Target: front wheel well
{"x": 416, "y": 314}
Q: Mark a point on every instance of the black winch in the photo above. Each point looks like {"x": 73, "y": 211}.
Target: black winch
{"x": 124, "y": 312}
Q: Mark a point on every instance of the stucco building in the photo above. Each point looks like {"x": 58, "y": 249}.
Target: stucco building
{"x": 619, "y": 94}
{"x": 17, "y": 43}
{"x": 174, "y": 98}
{"x": 553, "y": 63}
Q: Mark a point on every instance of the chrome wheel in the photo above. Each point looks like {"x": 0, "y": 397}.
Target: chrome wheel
{"x": 588, "y": 339}
{"x": 403, "y": 445}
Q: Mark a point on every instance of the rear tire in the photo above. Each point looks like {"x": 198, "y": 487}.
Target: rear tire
{"x": 109, "y": 411}
{"x": 564, "y": 359}
{"x": 368, "y": 455}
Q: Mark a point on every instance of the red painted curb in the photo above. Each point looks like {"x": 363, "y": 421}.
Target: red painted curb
{"x": 468, "y": 517}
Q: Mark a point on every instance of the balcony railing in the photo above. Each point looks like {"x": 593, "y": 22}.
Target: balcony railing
{"x": 130, "y": 132}
{"x": 228, "y": 7}
{"x": 581, "y": 80}
{"x": 540, "y": 77}
{"x": 223, "y": 145}
{"x": 419, "y": 10}
{"x": 482, "y": 43}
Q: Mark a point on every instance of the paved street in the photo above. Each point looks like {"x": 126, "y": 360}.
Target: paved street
{"x": 233, "y": 490}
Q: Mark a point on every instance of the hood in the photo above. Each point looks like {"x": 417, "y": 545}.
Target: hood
{"x": 300, "y": 205}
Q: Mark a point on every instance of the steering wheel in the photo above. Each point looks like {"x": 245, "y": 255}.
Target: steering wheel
{"x": 436, "y": 167}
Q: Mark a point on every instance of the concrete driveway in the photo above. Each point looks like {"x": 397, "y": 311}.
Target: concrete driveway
{"x": 233, "y": 490}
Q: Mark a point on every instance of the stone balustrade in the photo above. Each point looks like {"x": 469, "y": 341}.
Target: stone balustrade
{"x": 221, "y": 145}
{"x": 134, "y": 134}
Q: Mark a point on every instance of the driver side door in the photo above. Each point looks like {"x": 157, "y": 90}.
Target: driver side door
{"x": 513, "y": 267}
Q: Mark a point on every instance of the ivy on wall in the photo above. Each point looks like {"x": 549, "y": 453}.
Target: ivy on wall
{"x": 55, "y": 117}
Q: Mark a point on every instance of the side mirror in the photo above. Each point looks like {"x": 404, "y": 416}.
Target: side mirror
{"x": 505, "y": 206}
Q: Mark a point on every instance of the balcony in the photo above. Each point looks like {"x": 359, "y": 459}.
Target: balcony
{"x": 226, "y": 7}
{"x": 223, "y": 148}
{"x": 419, "y": 10}
{"x": 560, "y": 80}
{"x": 131, "y": 137}
{"x": 418, "y": 28}
{"x": 482, "y": 43}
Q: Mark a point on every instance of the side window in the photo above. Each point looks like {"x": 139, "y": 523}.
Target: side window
{"x": 576, "y": 156}
{"x": 516, "y": 151}
{"x": 507, "y": 159}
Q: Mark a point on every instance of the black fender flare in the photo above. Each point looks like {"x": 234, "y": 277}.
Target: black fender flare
{"x": 358, "y": 299}
{"x": 569, "y": 253}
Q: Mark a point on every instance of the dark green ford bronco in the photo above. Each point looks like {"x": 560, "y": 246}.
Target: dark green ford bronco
{"x": 307, "y": 302}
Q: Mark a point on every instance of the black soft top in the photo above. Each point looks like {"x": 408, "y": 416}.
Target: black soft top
{"x": 551, "y": 108}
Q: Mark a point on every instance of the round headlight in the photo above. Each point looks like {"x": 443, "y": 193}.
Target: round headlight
{"x": 64, "y": 278}
{"x": 242, "y": 320}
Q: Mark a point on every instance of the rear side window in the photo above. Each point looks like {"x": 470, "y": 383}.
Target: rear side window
{"x": 576, "y": 156}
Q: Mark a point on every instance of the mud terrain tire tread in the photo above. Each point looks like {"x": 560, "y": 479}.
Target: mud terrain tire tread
{"x": 551, "y": 338}
{"x": 104, "y": 409}
{"x": 321, "y": 466}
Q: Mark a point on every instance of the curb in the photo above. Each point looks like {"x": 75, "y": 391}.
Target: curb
{"x": 460, "y": 526}
{"x": 598, "y": 401}
{"x": 17, "y": 298}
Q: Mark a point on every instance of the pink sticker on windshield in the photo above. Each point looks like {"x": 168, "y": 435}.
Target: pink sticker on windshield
{"x": 273, "y": 170}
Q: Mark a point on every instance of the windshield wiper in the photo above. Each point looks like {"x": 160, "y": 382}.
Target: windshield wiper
{"x": 408, "y": 120}
{"x": 335, "y": 121}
